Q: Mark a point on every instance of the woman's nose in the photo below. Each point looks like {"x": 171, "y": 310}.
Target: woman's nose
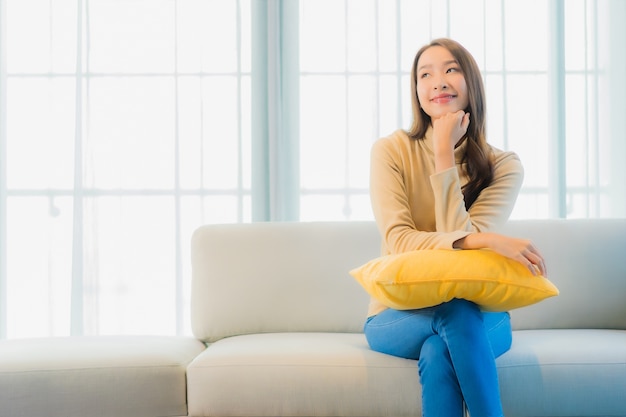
{"x": 440, "y": 84}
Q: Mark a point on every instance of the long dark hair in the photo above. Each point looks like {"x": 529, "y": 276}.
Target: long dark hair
{"x": 477, "y": 159}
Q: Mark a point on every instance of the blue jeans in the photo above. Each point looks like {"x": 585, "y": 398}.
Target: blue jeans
{"x": 456, "y": 345}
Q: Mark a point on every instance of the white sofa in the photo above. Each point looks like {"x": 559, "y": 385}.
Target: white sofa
{"x": 277, "y": 321}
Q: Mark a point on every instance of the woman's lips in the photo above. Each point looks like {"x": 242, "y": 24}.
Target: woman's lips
{"x": 443, "y": 98}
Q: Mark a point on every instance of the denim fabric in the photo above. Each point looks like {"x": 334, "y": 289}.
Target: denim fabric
{"x": 456, "y": 345}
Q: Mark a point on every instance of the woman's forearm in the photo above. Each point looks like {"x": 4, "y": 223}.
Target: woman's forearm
{"x": 475, "y": 241}
{"x": 521, "y": 250}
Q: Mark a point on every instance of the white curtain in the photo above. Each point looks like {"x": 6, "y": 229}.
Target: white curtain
{"x": 126, "y": 124}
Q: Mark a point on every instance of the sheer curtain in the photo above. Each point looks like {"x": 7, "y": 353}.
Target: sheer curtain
{"x": 126, "y": 124}
{"x": 554, "y": 72}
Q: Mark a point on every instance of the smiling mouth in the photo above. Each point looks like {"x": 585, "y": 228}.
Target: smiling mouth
{"x": 443, "y": 98}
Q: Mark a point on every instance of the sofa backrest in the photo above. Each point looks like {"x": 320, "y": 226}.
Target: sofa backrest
{"x": 294, "y": 276}
{"x": 279, "y": 277}
{"x": 586, "y": 260}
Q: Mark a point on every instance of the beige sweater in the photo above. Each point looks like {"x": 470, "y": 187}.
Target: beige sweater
{"x": 416, "y": 208}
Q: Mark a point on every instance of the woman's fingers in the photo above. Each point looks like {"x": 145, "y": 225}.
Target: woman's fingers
{"x": 534, "y": 261}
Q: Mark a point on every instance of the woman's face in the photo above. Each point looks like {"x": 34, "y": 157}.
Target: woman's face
{"x": 441, "y": 86}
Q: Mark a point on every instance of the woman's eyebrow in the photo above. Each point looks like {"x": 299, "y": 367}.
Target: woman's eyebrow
{"x": 452, "y": 61}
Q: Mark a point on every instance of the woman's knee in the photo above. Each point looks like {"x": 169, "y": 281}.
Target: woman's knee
{"x": 460, "y": 312}
{"x": 434, "y": 359}
{"x": 434, "y": 348}
{"x": 398, "y": 333}
{"x": 499, "y": 332}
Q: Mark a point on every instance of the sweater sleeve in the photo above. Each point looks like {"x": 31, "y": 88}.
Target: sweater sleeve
{"x": 391, "y": 203}
{"x": 493, "y": 206}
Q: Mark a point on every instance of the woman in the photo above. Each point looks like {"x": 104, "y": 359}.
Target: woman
{"x": 440, "y": 185}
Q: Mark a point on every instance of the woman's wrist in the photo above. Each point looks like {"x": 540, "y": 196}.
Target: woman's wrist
{"x": 476, "y": 240}
{"x": 444, "y": 159}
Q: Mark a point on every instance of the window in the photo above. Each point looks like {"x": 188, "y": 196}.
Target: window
{"x": 544, "y": 87}
{"x": 126, "y": 124}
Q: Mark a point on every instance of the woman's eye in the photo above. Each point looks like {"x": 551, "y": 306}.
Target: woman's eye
{"x": 424, "y": 75}
{"x": 453, "y": 69}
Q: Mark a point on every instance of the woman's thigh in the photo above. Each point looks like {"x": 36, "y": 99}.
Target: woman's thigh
{"x": 400, "y": 332}
{"x": 498, "y": 327}
{"x": 403, "y": 332}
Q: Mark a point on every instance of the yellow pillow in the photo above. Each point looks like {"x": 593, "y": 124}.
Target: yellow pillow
{"x": 426, "y": 278}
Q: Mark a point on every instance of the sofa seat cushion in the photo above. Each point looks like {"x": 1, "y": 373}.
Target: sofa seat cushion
{"x": 546, "y": 373}
{"x": 95, "y": 376}
{"x": 564, "y": 373}
{"x": 305, "y": 374}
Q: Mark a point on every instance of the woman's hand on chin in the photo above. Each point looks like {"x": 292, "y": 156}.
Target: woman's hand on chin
{"x": 447, "y": 132}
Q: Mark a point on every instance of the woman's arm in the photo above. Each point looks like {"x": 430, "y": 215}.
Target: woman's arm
{"x": 503, "y": 190}
{"x": 393, "y": 167}
{"x": 521, "y": 250}
{"x": 495, "y": 205}
{"x": 400, "y": 190}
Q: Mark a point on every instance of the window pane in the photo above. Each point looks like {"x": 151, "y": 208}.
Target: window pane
{"x": 472, "y": 35}
{"x": 119, "y": 43}
{"x": 323, "y": 131}
{"x": 360, "y": 207}
{"x": 220, "y": 116}
{"x": 362, "y": 128}
{"x": 41, "y": 36}
{"x": 387, "y": 18}
{"x": 528, "y": 135}
{"x": 576, "y": 31}
{"x": 531, "y": 204}
{"x": 130, "y": 132}
{"x": 390, "y": 107}
{"x": 320, "y": 207}
{"x": 211, "y": 123}
{"x": 40, "y": 132}
{"x": 216, "y": 208}
{"x": 361, "y": 36}
{"x": 494, "y": 38}
{"x": 431, "y": 18}
{"x": 39, "y": 266}
{"x": 526, "y": 49}
{"x": 129, "y": 247}
{"x": 200, "y": 24}
{"x": 496, "y": 111}
{"x": 578, "y": 149}
{"x": 325, "y": 49}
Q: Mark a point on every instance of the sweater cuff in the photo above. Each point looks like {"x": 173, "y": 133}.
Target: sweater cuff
{"x": 447, "y": 242}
